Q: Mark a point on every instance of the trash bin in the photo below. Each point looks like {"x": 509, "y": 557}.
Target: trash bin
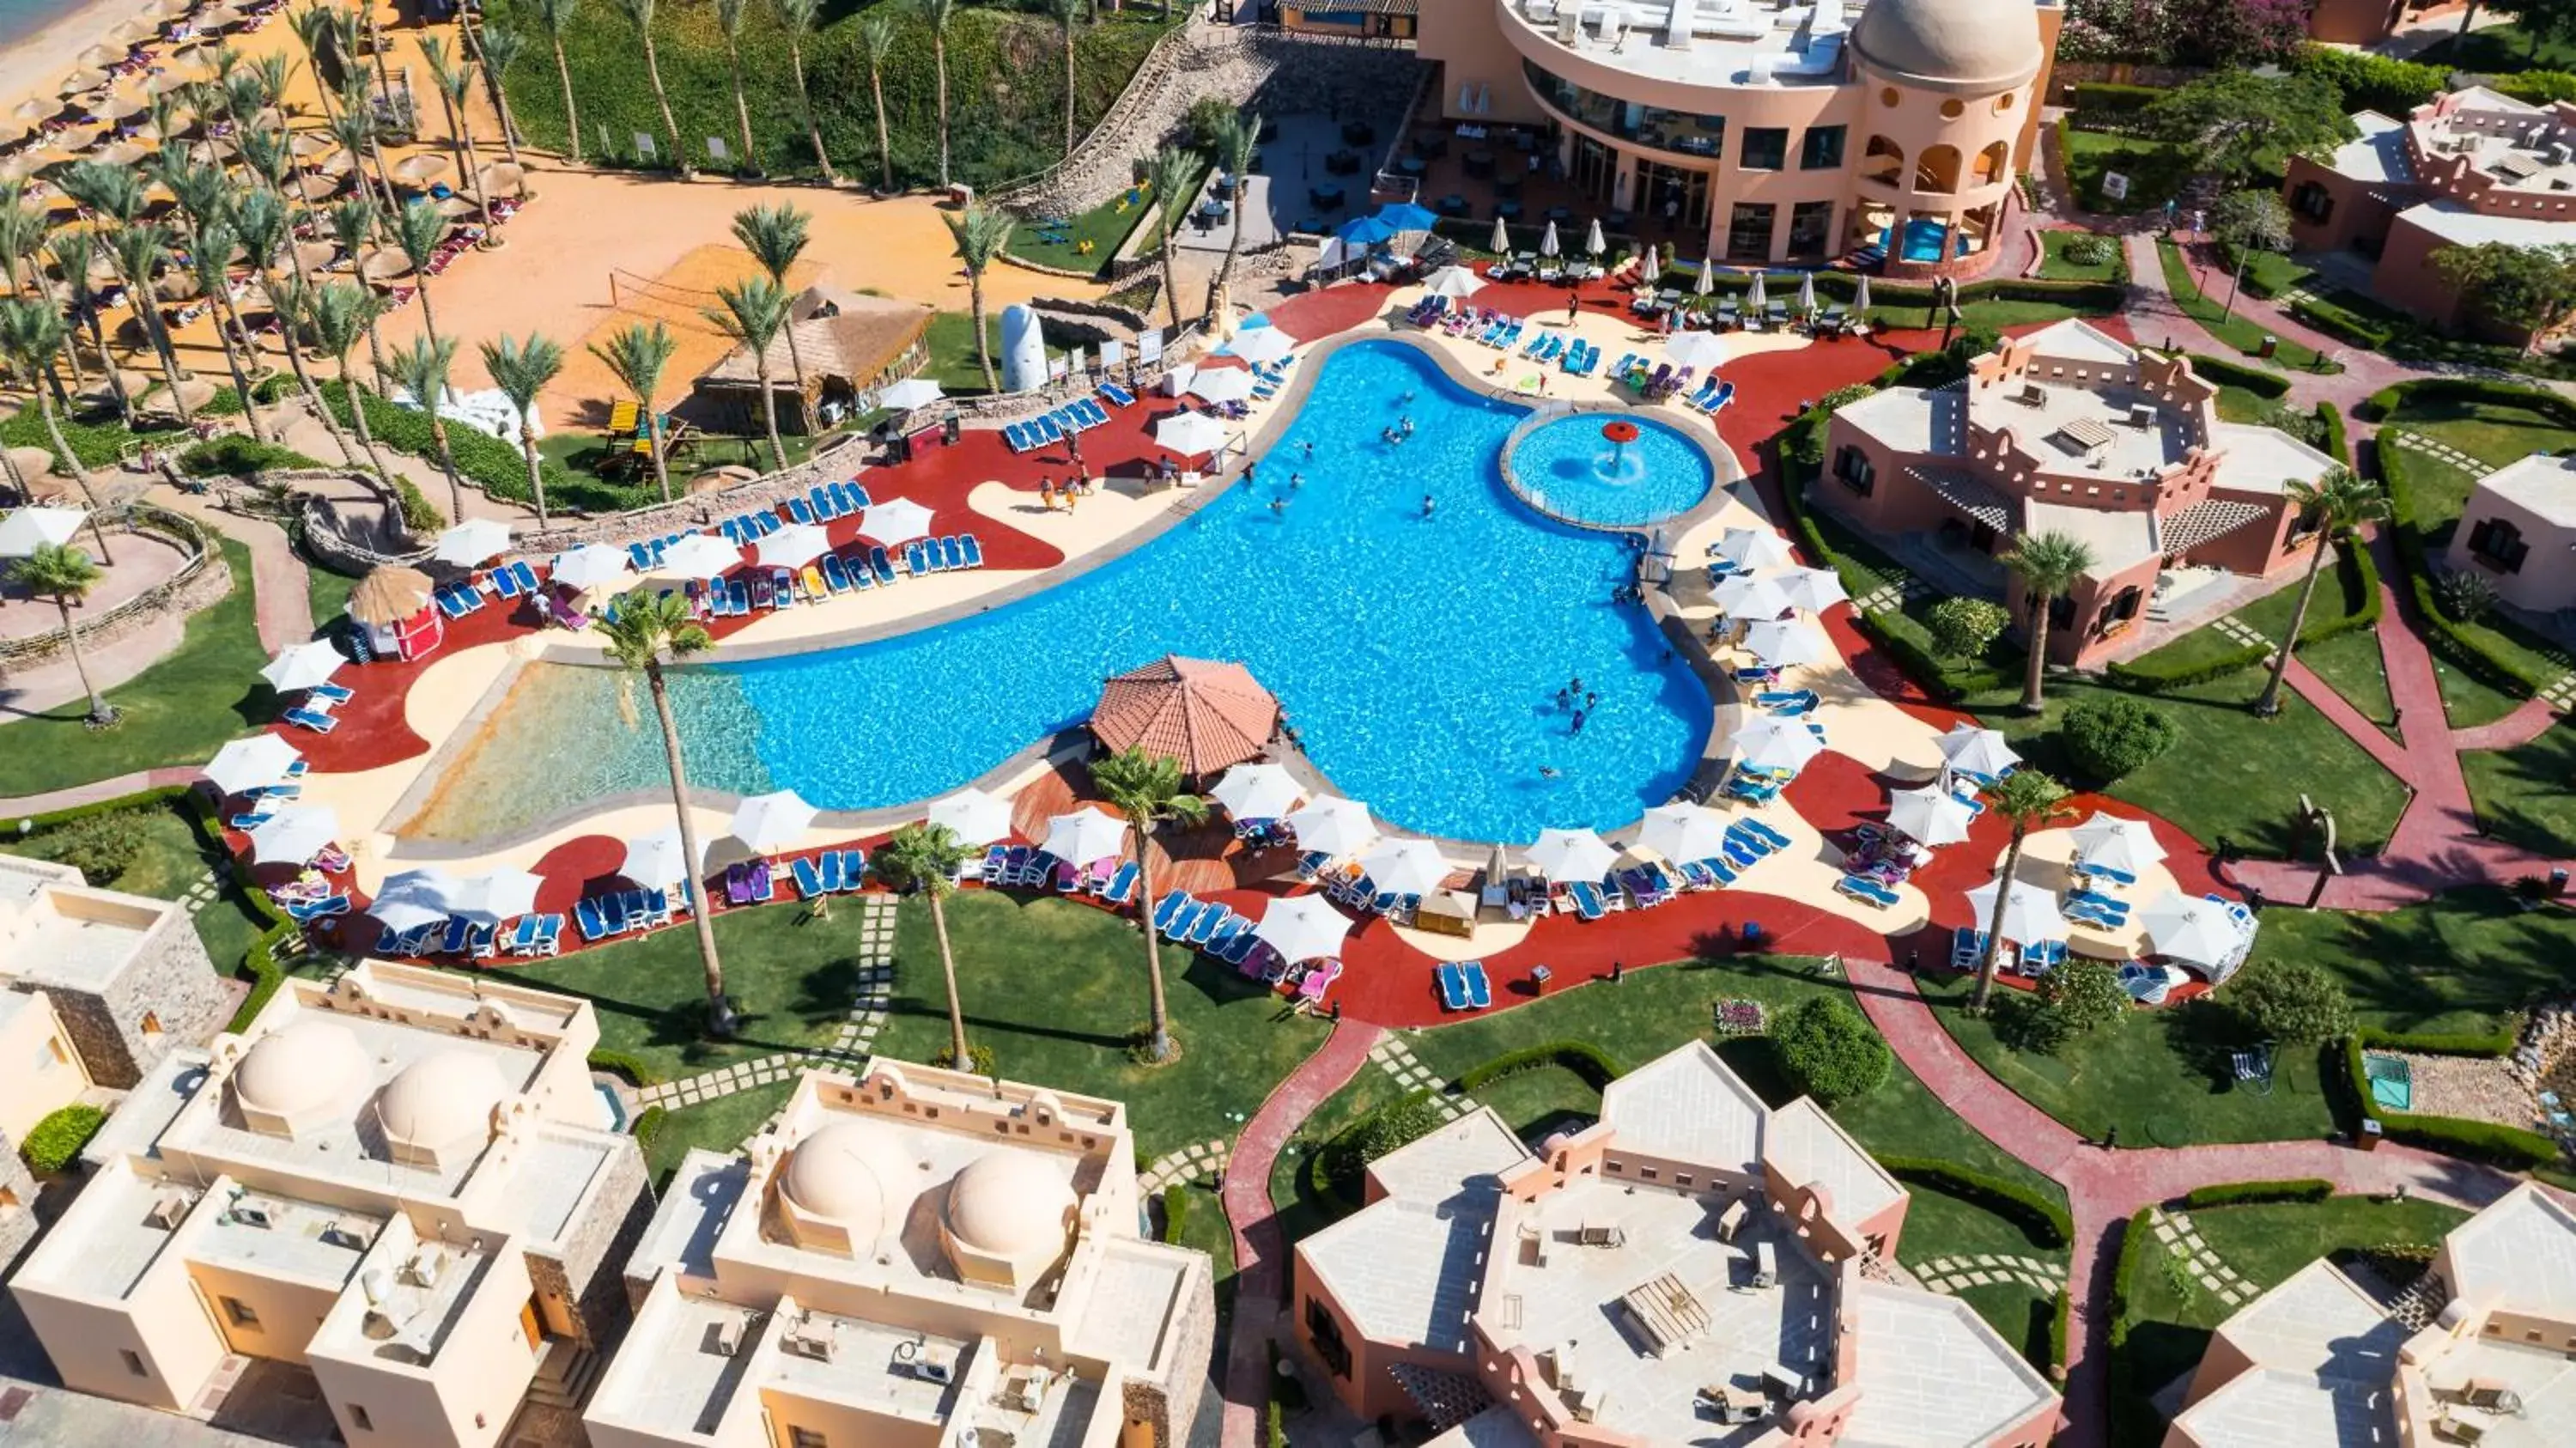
{"x": 2371, "y": 1134}
{"x": 2271, "y": 344}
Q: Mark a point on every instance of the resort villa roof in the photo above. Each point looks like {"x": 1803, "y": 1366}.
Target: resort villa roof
{"x": 1210, "y": 716}
{"x": 2543, "y": 484}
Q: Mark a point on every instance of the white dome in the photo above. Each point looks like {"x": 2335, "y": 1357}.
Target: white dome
{"x": 291, "y": 1071}
{"x": 1963, "y": 47}
{"x": 848, "y": 1174}
{"x": 1009, "y": 1204}
{"x": 441, "y": 1100}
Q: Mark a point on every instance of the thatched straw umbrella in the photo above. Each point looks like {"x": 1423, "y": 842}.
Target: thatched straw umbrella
{"x": 389, "y": 596}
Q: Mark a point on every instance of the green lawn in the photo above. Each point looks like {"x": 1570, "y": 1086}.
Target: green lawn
{"x": 2523, "y": 795}
{"x": 2351, "y": 666}
{"x": 2237, "y": 331}
{"x": 328, "y": 594}
{"x": 178, "y": 711}
{"x": 719, "y": 1125}
{"x": 1105, "y": 227}
{"x": 1205, "y": 1229}
{"x": 2502, "y": 49}
{"x": 1055, "y": 990}
{"x": 951, "y": 342}
{"x": 2155, "y": 169}
{"x": 2350, "y": 662}
{"x": 2058, "y": 268}
{"x": 1940, "y": 1225}
{"x": 2467, "y": 700}
{"x": 2495, "y": 433}
{"x": 2267, "y": 274}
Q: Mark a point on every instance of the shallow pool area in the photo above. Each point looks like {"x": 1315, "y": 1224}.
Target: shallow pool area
{"x": 1567, "y": 466}
{"x": 1423, "y": 628}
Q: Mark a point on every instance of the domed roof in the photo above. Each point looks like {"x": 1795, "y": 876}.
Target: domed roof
{"x": 293, "y": 1070}
{"x": 1008, "y": 1204}
{"x": 442, "y": 1099}
{"x": 847, "y": 1173}
{"x": 1966, "y": 47}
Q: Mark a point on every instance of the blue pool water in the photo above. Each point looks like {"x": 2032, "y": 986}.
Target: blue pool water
{"x": 1575, "y": 473}
{"x": 1419, "y": 657}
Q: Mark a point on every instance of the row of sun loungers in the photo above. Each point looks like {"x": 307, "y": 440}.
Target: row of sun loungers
{"x": 1748, "y": 842}
{"x": 1545, "y": 348}
{"x": 1712, "y": 397}
{"x": 602, "y": 916}
{"x": 871, "y": 566}
{"x": 1581, "y": 359}
{"x": 827, "y": 501}
{"x": 1209, "y": 926}
{"x": 1463, "y": 986}
{"x": 1359, "y": 892}
{"x": 1080, "y": 415}
{"x": 748, "y": 528}
{"x": 1025, "y": 867}
{"x": 2102, "y": 912}
{"x": 834, "y": 872}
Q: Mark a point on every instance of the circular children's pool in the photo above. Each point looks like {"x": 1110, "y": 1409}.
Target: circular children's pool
{"x": 1610, "y": 470}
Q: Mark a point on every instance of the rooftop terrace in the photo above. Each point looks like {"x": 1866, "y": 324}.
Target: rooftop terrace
{"x": 1702, "y": 42}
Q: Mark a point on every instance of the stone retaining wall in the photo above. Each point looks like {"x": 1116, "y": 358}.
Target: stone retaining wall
{"x": 198, "y": 584}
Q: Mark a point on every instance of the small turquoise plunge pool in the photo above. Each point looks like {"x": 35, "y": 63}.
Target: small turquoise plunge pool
{"x": 1416, "y": 620}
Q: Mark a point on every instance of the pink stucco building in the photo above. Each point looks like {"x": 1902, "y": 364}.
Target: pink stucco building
{"x": 2518, "y": 531}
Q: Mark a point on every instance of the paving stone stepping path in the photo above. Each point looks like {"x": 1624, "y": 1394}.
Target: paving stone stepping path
{"x": 2176, "y": 1233}
{"x": 1190, "y": 1163}
{"x": 1396, "y": 1059}
{"x": 1950, "y": 1275}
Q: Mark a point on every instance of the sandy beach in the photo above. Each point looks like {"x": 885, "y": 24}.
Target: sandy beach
{"x": 33, "y": 65}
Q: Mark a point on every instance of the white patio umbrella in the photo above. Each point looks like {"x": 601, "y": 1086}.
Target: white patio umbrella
{"x": 1259, "y": 345}
{"x": 1502, "y": 238}
{"x": 1084, "y": 836}
{"x": 1406, "y": 867}
{"x": 1930, "y": 815}
{"x": 1592, "y": 242}
{"x": 700, "y": 555}
{"x": 1649, "y": 269}
{"x": 1547, "y": 243}
{"x": 1303, "y": 927}
{"x": 504, "y": 894}
{"x": 2031, "y": 916}
{"x": 592, "y": 565}
{"x": 249, "y": 763}
{"x": 657, "y": 861}
{"x": 1860, "y": 295}
{"x": 1753, "y": 548}
{"x": 1333, "y": 825}
{"x": 1971, "y": 750}
{"x": 1786, "y": 643}
{"x": 1755, "y": 299}
{"x": 1258, "y": 791}
{"x": 1223, "y": 384}
{"x": 1694, "y": 349}
{"x": 23, "y": 531}
{"x": 399, "y": 913}
{"x": 894, "y": 521}
{"x": 973, "y": 816}
{"x": 908, "y": 394}
{"x": 1813, "y": 589}
{"x": 476, "y": 540}
{"x": 1190, "y": 433}
{"x": 2113, "y": 843}
{"x": 294, "y": 834}
{"x": 793, "y": 546}
{"x": 1772, "y": 742}
{"x": 770, "y": 822}
{"x": 1567, "y": 855}
{"x": 302, "y": 666}
{"x": 2191, "y": 928}
{"x": 1683, "y": 831}
{"x": 1749, "y": 596}
{"x": 1706, "y": 286}
{"x": 1806, "y": 293}
{"x": 1454, "y": 282}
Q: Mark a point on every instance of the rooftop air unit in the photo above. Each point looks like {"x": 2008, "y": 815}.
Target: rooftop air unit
{"x": 168, "y": 1210}
{"x": 728, "y": 1339}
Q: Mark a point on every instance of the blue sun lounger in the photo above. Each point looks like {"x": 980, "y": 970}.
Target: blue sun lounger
{"x": 953, "y": 553}
{"x": 1118, "y": 396}
{"x": 1763, "y": 832}
{"x": 313, "y": 719}
{"x": 1866, "y": 890}
{"x": 809, "y": 881}
{"x": 586, "y": 916}
{"x": 1480, "y": 993}
{"x": 835, "y": 874}
{"x": 797, "y": 510}
{"x": 1587, "y": 899}
{"x": 1169, "y": 906}
{"x": 1122, "y": 886}
{"x": 882, "y": 564}
{"x": 2042, "y": 957}
{"x": 1226, "y": 932}
{"x": 854, "y": 870}
{"x": 1204, "y": 928}
{"x": 1187, "y": 920}
{"x": 974, "y": 548}
{"x": 1240, "y": 948}
{"x": 1453, "y": 985}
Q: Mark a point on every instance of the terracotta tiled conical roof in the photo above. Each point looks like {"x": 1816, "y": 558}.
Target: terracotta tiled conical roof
{"x": 1207, "y": 715}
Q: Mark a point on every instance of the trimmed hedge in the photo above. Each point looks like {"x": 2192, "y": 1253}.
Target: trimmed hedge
{"x": 55, "y": 1142}
{"x": 2496, "y": 1043}
{"x": 2338, "y": 441}
{"x": 2059, "y": 1323}
{"x": 2047, "y": 1221}
{"x": 2539, "y": 87}
{"x": 2372, "y": 82}
{"x": 2256, "y": 380}
{"x": 2510, "y": 1147}
{"x": 1583, "y": 1058}
{"x": 2095, "y": 101}
{"x": 648, "y": 1126}
{"x": 2355, "y": 574}
{"x": 634, "y": 1068}
{"x": 1176, "y": 1210}
{"x": 2343, "y": 323}
{"x": 1334, "y": 1169}
{"x": 52, "y": 819}
{"x": 240, "y": 455}
{"x": 2229, "y": 1194}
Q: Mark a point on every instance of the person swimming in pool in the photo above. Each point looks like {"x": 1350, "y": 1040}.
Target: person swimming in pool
{"x": 1548, "y": 771}
{"x": 1296, "y": 480}
{"x": 1426, "y": 505}
{"x": 1387, "y": 436}
{"x": 1404, "y": 427}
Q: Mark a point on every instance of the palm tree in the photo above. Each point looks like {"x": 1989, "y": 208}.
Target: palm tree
{"x": 939, "y": 13}
{"x": 208, "y": 252}
{"x": 2030, "y": 800}
{"x": 1146, "y": 788}
{"x": 422, "y": 368}
{"x": 640, "y": 14}
{"x": 926, "y": 858}
{"x": 876, "y": 42}
{"x": 1236, "y": 139}
{"x": 522, "y": 370}
{"x": 555, "y": 17}
{"x": 502, "y": 48}
{"x": 65, "y": 575}
{"x": 638, "y": 632}
{"x": 729, "y": 23}
{"x": 1067, "y": 13}
{"x": 776, "y": 236}
{"x": 2336, "y": 503}
{"x": 352, "y": 222}
{"x": 290, "y": 297}
{"x": 1167, "y": 175}
{"x": 2047, "y": 565}
{"x": 355, "y": 129}
{"x": 73, "y": 253}
{"x": 30, "y": 334}
{"x": 979, "y": 232}
{"x": 262, "y": 221}
{"x": 637, "y": 354}
{"x": 316, "y": 27}
{"x": 341, "y": 313}
{"x": 798, "y": 18}
{"x": 417, "y": 230}
{"x": 22, "y": 230}
{"x": 455, "y": 84}
{"x": 138, "y": 251}
{"x": 754, "y": 311}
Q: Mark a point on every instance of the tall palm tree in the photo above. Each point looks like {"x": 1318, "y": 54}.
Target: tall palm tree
{"x": 2029, "y": 800}
{"x": 555, "y": 17}
{"x": 876, "y": 42}
{"x": 1068, "y": 14}
{"x": 636, "y": 355}
{"x": 1146, "y": 788}
{"x": 522, "y": 370}
{"x": 502, "y": 48}
{"x": 342, "y": 313}
{"x": 423, "y": 368}
{"x": 417, "y": 230}
{"x": 754, "y": 311}
{"x": 209, "y": 252}
{"x": 924, "y": 859}
{"x": 316, "y": 28}
{"x": 639, "y": 633}
{"x": 30, "y": 334}
{"x": 1236, "y": 139}
{"x": 352, "y": 222}
{"x": 979, "y": 232}
{"x": 639, "y": 13}
{"x": 73, "y": 253}
{"x": 262, "y": 221}
{"x": 355, "y": 129}
{"x": 939, "y": 13}
{"x": 139, "y": 250}
{"x": 22, "y": 230}
{"x": 455, "y": 85}
{"x": 2047, "y": 565}
{"x": 290, "y": 298}
{"x": 2336, "y": 504}
{"x": 65, "y": 575}
{"x": 729, "y": 15}
{"x": 1167, "y": 175}
{"x": 798, "y": 18}
{"x": 776, "y": 236}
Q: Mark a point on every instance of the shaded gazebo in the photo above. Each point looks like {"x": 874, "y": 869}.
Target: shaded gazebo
{"x": 1208, "y": 715}
{"x": 394, "y": 612}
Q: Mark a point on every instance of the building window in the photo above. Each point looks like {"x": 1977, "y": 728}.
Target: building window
{"x": 2061, "y": 612}
{"x": 805, "y": 1438}
{"x": 133, "y": 1361}
{"x": 359, "y": 1420}
{"x": 1325, "y": 1331}
{"x": 1888, "y": 97}
{"x": 2499, "y": 545}
{"x": 2003, "y": 102}
{"x": 1937, "y": 169}
{"x": 240, "y": 1313}
{"x": 1882, "y": 160}
{"x": 1811, "y": 229}
{"x": 1748, "y": 232}
{"x": 1766, "y": 148}
{"x": 1951, "y": 110}
{"x": 1992, "y": 163}
{"x": 1852, "y": 469}
{"x": 1821, "y": 149}
{"x": 2312, "y": 201}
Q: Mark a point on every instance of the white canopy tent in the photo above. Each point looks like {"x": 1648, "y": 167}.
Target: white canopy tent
{"x": 476, "y": 540}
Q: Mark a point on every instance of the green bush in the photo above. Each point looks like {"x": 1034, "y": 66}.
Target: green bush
{"x": 2111, "y": 736}
{"x": 2059, "y": 1322}
{"x": 2135, "y": 1241}
{"x": 2356, "y": 578}
{"x": 1583, "y": 1058}
{"x": 2084, "y": 994}
{"x": 2090, "y": 248}
{"x": 55, "y": 1142}
{"x": 1275, "y": 1426}
{"x": 2372, "y": 82}
{"x": 100, "y": 846}
{"x": 648, "y": 1127}
{"x": 56, "y": 819}
{"x": 633, "y": 1068}
{"x": 1828, "y": 1050}
{"x": 2099, "y": 104}
{"x": 1334, "y": 1169}
{"x": 239, "y": 455}
{"x": 2295, "y": 1002}
{"x": 2338, "y": 446}
{"x": 2343, "y": 323}
{"x": 2410, "y": 529}
{"x": 420, "y": 516}
{"x": 2046, "y": 1221}
{"x": 1911, "y": 646}
{"x": 2257, "y": 380}
{"x": 1176, "y": 1210}
{"x": 2229, "y": 1194}
{"x": 485, "y": 461}
{"x": 979, "y": 1059}
{"x": 1964, "y": 628}
{"x": 2149, "y": 678}
{"x": 2539, "y": 87}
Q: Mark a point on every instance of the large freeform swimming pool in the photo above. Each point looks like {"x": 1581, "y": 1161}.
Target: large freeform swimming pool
{"x": 1419, "y": 653}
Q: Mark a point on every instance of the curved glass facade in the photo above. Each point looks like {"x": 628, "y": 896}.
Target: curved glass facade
{"x": 1701, "y": 138}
